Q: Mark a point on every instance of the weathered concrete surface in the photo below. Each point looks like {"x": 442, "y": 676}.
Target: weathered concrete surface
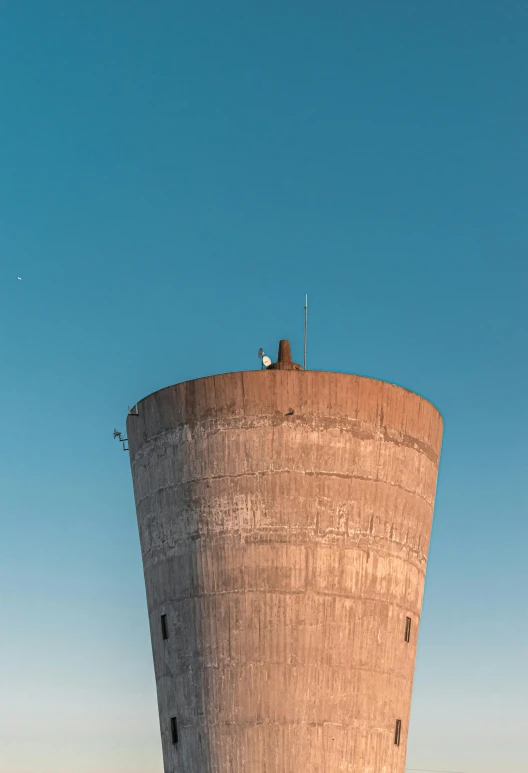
{"x": 284, "y": 519}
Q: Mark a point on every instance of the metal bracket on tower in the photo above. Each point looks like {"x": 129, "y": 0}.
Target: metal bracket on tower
{"x": 133, "y": 411}
{"x": 123, "y": 440}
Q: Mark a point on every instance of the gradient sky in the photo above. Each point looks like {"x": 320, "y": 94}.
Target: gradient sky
{"x": 173, "y": 178}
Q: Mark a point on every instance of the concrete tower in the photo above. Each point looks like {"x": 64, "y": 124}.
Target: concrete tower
{"x": 284, "y": 518}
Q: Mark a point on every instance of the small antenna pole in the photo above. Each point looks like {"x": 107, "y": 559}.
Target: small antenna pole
{"x": 305, "y": 327}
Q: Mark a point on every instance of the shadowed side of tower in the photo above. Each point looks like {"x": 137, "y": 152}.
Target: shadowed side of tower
{"x": 284, "y": 519}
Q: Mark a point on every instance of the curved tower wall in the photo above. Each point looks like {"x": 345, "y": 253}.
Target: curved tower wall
{"x": 284, "y": 519}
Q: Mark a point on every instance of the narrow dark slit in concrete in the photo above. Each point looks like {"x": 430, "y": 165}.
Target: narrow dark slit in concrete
{"x": 397, "y": 734}
{"x": 164, "y": 631}
{"x": 174, "y": 730}
{"x": 408, "y": 629}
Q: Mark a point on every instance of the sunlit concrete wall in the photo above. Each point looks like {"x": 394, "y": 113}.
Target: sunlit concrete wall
{"x": 284, "y": 519}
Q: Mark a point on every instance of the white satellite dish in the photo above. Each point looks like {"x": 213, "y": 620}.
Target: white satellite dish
{"x": 266, "y": 361}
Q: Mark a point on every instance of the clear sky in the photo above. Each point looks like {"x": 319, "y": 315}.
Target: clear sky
{"x": 174, "y": 176}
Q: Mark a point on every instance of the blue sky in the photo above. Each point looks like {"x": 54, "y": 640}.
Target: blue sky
{"x": 173, "y": 178}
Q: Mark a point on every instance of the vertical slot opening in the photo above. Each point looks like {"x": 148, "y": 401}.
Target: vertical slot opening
{"x": 397, "y": 733}
{"x": 164, "y": 631}
{"x": 408, "y": 629}
{"x": 174, "y": 730}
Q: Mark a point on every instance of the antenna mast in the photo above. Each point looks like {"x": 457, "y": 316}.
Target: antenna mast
{"x": 305, "y": 327}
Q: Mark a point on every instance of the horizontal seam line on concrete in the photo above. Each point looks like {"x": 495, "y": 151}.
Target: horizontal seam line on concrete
{"x": 363, "y": 434}
{"x": 279, "y": 723}
{"x": 333, "y": 667}
{"x": 313, "y": 542}
{"x": 421, "y": 568}
{"x": 311, "y": 534}
{"x": 358, "y": 727}
{"x": 312, "y": 473}
{"x": 267, "y": 592}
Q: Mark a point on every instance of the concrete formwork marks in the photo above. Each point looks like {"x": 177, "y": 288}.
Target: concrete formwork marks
{"x": 284, "y": 519}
